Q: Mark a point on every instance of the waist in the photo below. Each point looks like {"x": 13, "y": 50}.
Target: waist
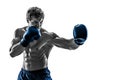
{"x": 34, "y": 67}
{"x": 34, "y": 64}
{"x": 44, "y": 70}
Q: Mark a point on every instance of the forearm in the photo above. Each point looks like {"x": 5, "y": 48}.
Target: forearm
{"x": 73, "y": 45}
{"x": 65, "y": 43}
{"x": 16, "y": 50}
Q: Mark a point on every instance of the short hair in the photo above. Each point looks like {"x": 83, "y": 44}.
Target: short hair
{"x": 36, "y": 12}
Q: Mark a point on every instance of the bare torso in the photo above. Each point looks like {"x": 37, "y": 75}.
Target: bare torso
{"x": 36, "y": 57}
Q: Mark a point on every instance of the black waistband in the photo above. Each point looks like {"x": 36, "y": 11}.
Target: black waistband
{"x": 37, "y": 71}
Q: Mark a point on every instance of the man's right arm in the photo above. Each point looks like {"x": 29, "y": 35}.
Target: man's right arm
{"x": 22, "y": 39}
{"x": 16, "y": 48}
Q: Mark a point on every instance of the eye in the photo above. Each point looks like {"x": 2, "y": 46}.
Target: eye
{"x": 38, "y": 14}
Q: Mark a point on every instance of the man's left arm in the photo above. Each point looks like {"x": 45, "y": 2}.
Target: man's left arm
{"x": 64, "y": 43}
{"x": 79, "y": 37}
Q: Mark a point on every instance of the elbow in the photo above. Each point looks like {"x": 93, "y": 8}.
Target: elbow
{"x": 16, "y": 50}
{"x": 12, "y": 54}
{"x": 15, "y": 53}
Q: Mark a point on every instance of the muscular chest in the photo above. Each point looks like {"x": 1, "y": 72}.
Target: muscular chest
{"x": 40, "y": 46}
{"x": 34, "y": 51}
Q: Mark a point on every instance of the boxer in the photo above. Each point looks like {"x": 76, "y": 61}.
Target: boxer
{"x": 35, "y": 43}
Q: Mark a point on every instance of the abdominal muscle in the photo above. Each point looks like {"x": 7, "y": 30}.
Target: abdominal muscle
{"x": 34, "y": 60}
{"x": 32, "y": 63}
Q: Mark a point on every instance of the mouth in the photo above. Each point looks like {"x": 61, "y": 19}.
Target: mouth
{"x": 35, "y": 23}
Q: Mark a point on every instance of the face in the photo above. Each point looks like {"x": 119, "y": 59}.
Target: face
{"x": 35, "y": 22}
{"x": 35, "y": 17}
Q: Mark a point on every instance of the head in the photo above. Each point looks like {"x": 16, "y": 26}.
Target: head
{"x": 35, "y": 16}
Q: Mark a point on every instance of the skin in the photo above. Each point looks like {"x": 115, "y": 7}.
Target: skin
{"x": 36, "y": 54}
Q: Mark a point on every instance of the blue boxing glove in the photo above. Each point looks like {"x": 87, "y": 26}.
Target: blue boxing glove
{"x": 31, "y": 34}
{"x": 80, "y": 34}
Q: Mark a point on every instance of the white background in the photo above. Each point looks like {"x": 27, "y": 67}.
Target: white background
{"x": 97, "y": 59}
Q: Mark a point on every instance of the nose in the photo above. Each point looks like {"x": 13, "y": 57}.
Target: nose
{"x": 36, "y": 21}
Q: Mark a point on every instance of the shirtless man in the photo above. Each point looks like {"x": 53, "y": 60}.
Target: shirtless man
{"x": 35, "y": 43}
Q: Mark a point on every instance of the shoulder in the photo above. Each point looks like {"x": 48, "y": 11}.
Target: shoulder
{"x": 19, "y": 32}
{"x": 52, "y": 34}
